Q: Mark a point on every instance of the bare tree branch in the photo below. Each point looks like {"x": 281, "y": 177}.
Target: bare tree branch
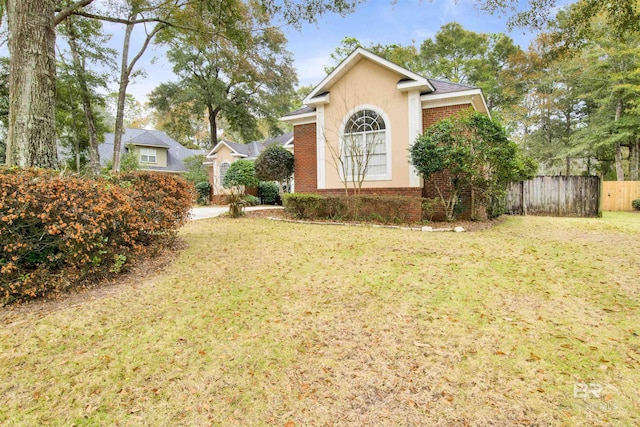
{"x": 69, "y": 10}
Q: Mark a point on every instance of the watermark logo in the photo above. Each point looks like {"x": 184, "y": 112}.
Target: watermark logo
{"x": 588, "y": 390}
{"x": 595, "y": 396}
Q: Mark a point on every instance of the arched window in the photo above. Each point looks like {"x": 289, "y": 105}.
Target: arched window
{"x": 224, "y": 167}
{"x": 365, "y": 146}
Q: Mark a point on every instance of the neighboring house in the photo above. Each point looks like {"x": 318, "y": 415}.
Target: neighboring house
{"x": 369, "y": 98}
{"x": 155, "y": 150}
{"x": 226, "y": 152}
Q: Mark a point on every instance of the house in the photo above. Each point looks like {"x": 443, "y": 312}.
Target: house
{"x": 381, "y": 106}
{"x": 226, "y": 152}
{"x": 155, "y": 150}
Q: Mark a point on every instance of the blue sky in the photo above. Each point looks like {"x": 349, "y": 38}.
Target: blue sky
{"x": 377, "y": 21}
{"x": 383, "y": 22}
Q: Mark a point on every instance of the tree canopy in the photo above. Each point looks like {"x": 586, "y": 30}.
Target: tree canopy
{"x": 275, "y": 163}
{"x": 476, "y": 154}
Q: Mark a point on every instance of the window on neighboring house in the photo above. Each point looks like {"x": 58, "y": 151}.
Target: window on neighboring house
{"x": 148, "y": 155}
{"x": 365, "y": 145}
{"x": 224, "y": 167}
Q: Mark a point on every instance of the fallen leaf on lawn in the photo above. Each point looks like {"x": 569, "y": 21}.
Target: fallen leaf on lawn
{"x": 290, "y": 424}
{"x": 419, "y": 344}
{"x": 535, "y": 357}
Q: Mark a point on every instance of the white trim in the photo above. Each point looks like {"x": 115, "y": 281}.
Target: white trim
{"x": 300, "y": 119}
{"x": 215, "y": 149}
{"x": 471, "y": 96}
{"x": 318, "y": 100}
{"x": 387, "y": 134}
{"x": 415, "y": 129}
{"x": 321, "y": 182}
{"x": 352, "y": 60}
{"x": 289, "y": 143}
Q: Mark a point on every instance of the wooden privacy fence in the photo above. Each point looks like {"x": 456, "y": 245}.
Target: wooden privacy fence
{"x": 618, "y": 195}
{"x": 555, "y": 196}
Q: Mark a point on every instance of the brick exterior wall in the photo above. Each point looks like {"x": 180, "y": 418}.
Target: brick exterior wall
{"x": 305, "y": 166}
{"x": 304, "y": 159}
{"x": 431, "y": 116}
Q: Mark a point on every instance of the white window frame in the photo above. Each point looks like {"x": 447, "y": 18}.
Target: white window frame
{"x": 148, "y": 153}
{"x": 220, "y": 174}
{"x": 387, "y": 134}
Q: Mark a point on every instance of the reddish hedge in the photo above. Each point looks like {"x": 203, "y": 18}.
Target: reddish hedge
{"x": 386, "y": 209}
{"x": 57, "y": 231}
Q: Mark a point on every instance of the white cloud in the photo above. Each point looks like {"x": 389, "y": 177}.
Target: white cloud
{"x": 310, "y": 69}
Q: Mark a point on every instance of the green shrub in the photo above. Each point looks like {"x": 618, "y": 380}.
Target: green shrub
{"x": 268, "y": 192}
{"x": 303, "y": 206}
{"x": 251, "y": 200}
{"x": 430, "y": 207}
{"x": 57, "y": 231}
{"x": 386, "y": 209}
{"x": 204, "y": 193}
{"x": 636, "y": 204}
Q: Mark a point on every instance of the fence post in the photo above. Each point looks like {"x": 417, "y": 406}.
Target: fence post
{"x": 524, "y": 199}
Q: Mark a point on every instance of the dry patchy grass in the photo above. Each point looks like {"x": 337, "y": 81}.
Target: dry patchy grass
{"x": 265, "y": 323}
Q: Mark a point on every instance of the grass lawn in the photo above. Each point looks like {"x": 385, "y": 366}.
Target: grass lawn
{"x": 535, "y": 321}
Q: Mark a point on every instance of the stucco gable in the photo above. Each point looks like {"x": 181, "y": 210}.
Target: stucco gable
{"x": 406, "y": 80}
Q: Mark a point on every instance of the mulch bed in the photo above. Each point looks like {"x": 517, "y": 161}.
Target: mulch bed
{"x": 467, "y": 225}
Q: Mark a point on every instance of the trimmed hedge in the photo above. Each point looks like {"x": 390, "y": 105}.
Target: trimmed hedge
{"x": 57, "y": 231}
{"x": 386, "y": 209}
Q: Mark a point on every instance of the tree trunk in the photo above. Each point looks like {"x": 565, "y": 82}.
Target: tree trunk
{"x": 31, "y": 139}
{"x": 125, "y": 75}
{"x": 94, "y": 154}
{"x": 568, "y": 164}
{"x": 619, "y": 169}
{"x": 213, "y": 124}
{"x": 122, "y": 93}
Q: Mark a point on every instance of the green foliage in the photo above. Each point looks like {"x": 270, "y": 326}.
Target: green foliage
{"x": 240, "y": 78}
{"x": 386, "y": 209}
{"x": 636, "y": 204}
{"x": 57, "y": 231}
{"x": 275, "y": 163}
{"x": 241, "y": 173}
{"x": 476, "y": 154}
{"x": 268, "y": 192}
{"x": 204, "y": 192}
{"x": 251, "y": 200}
{"x": 128, "y": 162}
{"x": 196, "y": 170}
{"x": 430, "y": 207}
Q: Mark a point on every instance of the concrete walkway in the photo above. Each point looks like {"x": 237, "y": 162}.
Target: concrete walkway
{"x": 202, "y": 212}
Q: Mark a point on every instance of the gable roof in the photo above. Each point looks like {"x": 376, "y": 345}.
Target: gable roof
{"x": 176, "y": 152}
{"x": 445, "y": 86}
{"x": 253, "y": 149}
{"x": 433, "y": 92}
{"x": 409, "y": 79}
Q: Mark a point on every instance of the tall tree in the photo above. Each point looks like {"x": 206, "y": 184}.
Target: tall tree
{"x": 86, "y": 45}
{"x": 4, "y": 106}
{"x": 245, "y": 75}
{"x": 31, "y": 137}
